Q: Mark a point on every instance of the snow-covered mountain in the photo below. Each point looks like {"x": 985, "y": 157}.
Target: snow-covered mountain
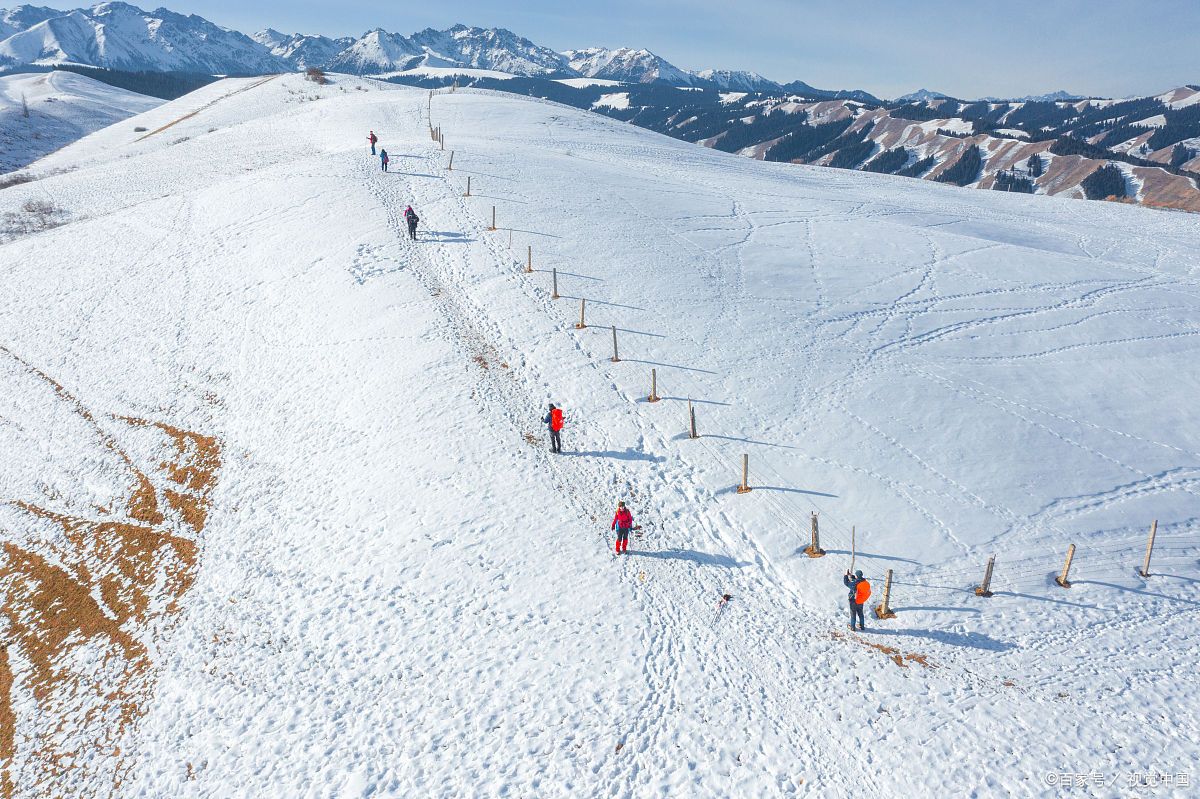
{"x": 921, "y": 96}
{"x": 121, "y": 36}
{"x": 302, "y": 50}
{"x": 489, "y": 48}
{"x": 15, "y": 20}
{"x": 627, "y": 65}
{"x": 461, "y": 46}
{"x": 737, "y": 80}
{"x": 376, "y": 51}
{"x": 1052, "y": 97}
{"x": 805, "y": 90}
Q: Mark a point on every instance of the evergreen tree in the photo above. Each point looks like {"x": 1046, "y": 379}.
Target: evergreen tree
{"x": 965, "y": 169}
{"x": 918, "y": 168}
{"x": 1036, "y": 165}
{"x": 888, "y": 161}
{"x": 805, "y": 139}
{"x": 164, "y": 85}
{"x": 1010, "y": 181}
{"x": 1107, "y": 181}
{"x": 1181, "y": 155}
{"x": 852, "y": 155}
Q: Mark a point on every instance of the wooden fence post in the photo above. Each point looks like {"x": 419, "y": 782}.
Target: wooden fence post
{"x": 1064, "y": 578}
{"x": 450, "y": 166}
{"x": 744, "y": 488}
{"x": 529, "y": 260}
{"x": 814, "y": 549}
{"x": 884, "y": 611}
{"x": 582, "y": 307}
{"x": 1145, "y": 572}
{"x": 653, "y": 386}
{"x": 692, "y": 421}
{"x": 493, "y": 227}
{"x": 554, "y": 278}
{"x": 442, "y": 141}
{"x": 853, "y": 545}
{"x": 985, "y": 590}
{"x": 468, "y": 194}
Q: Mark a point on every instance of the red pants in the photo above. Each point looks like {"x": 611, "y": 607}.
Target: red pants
{"x": 622, "y": 540}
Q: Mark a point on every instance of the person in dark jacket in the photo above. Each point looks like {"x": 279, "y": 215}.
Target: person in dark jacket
{"x": 383, "y": 159}
{"x": 372, "y": 138}
{"x": 622, "y": 522}
{"x": 853, "y": 581}
{"x": 554, "y": 422}
{"x": 410, "y": 216}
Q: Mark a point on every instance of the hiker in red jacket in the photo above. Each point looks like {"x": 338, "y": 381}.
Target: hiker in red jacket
{"x": 372, "y": 138}
{"x": 554, "y": 420}
{"x": 622, "y": 522}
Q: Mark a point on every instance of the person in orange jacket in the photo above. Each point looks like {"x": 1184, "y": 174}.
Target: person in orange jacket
{"x": 860, "y": 592}
{"x": 622, "y": 522}
{"x": 554, "y": 421}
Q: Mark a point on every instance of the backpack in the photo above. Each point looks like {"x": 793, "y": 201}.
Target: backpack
{"x": 862, "y": 592}
{"x": 556, "y": 422}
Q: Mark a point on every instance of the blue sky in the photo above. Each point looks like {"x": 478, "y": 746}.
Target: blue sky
{"x": 966, "y": 48}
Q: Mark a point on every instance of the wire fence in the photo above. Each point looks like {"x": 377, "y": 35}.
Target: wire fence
{"x": 1180, "y": 550}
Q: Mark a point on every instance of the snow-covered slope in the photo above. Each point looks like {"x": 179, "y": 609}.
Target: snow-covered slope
{"x": 372, "y": 579}
{"x": 63, "y": 107}
{"x": 23, "y": 17}
{"x": 376, "y": 52}
{"x": 302, "y": 50}
{"x": 122, "y": 36}
{"x": 922, "y": 95}
{"x": 491, "y": 49}
{"x": 627, "y": 65}
{"x": 735, "y": 80}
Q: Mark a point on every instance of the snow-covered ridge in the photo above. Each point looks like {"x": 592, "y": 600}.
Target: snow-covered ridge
{"x": 397, "y": 592}
{"x": 302, "y": 50}
{"x": 62, "y": 107}
{"x": 626, "y": 65}
{"x": 121, "y": 36}
{"x": 737, "y": 80}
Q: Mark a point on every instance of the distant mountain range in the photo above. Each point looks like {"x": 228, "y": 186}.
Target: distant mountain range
{"x": 1144, "y": 150}
{"x": 924, "y": 95}
{"x": 122, "y": 36}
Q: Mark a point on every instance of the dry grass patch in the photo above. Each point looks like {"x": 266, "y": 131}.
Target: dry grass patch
{"x": 84, "y": 605}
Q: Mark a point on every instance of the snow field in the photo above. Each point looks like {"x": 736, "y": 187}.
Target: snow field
{"x": 400, "y": 596}
{"x": 63, "y": 107}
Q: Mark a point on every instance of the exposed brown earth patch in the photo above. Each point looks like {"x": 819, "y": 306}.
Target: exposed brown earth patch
{"x": 901, "y": 659}
{"x": 8, "y": 722}
{"x": 84, "y": 597}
